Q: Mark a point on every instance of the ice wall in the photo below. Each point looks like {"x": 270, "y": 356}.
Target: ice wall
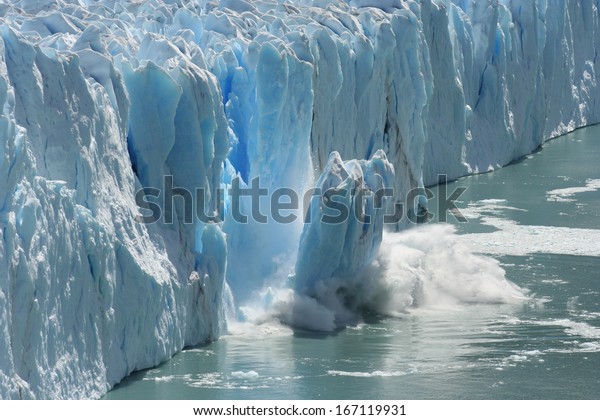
{"x": 88, "y": 294}
{"x": 507, "y": 76}
{"x": 102, "y": 98}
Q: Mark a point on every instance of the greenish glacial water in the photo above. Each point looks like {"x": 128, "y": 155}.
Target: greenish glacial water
{"x": 540, "y": 218}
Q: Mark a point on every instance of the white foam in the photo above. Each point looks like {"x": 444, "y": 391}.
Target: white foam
{"x": 493, "y": 201}
{"x": 482, "y": 209}
{"x": 588, "y": 315}
{"x": 586, "y": 347}
{"x": 590, "y": 347}
{"x": 574, "y": 328}
{"x": 375, "y": 374}
{"x": 256, "y": 323}
{"x": 169, "y": 378}
{"x": 565, "y": 194}
{"x": 531, "y": 352}
{"x": 511, "y": 238}
{"x": 523, "y": 240}
{"x": 202, "y": 351}
{"x": 216, "y": 380}
{"x": 275, "y": 306}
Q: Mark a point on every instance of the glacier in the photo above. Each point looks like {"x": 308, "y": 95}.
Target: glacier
{"x": 102, "y": 99}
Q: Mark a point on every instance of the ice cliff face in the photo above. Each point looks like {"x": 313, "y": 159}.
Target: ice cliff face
{"x": 103, "y": 98}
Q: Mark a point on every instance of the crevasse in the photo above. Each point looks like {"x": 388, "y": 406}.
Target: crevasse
{"x": 102, "y": 98}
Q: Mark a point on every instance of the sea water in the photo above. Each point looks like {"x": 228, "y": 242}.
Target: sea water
{"x": 540, "y": 218}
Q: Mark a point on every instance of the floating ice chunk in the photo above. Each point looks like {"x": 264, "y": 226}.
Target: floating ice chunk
{"x": 245, "y": 375}
{"x": 565, "y": 194}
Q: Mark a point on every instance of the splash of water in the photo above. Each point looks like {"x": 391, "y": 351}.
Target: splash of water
{"x": 428, "y": 267}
